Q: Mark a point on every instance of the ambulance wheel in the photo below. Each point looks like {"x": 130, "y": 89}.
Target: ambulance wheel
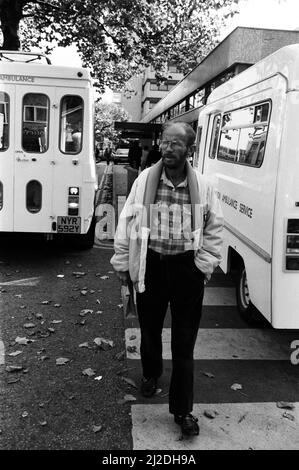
{"x": 247, "y": 310}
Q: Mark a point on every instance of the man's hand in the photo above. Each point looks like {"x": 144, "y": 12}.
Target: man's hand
{"x": 123, "y": 276}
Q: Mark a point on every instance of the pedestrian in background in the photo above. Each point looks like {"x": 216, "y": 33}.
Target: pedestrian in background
{"x": 153, "y": 156}
{"x": 107, "y": 154}
{"x": 169, "y": 262}
{"x": 134, "y": 155}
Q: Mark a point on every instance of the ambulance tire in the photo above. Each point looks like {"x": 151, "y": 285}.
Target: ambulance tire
{"x": 247, "y": 310}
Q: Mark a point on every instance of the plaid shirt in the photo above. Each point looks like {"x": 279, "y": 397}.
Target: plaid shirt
{"x": 171, "y": 229}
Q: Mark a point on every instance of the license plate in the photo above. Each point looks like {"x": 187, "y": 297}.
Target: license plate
{"x": 68, "y": 224}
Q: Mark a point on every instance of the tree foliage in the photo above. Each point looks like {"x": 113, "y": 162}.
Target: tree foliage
{"x": 105, "y": 115}
{"x": 117, "y": 38}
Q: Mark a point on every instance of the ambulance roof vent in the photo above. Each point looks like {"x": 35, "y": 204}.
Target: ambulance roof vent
{"x": 25, "y": 57}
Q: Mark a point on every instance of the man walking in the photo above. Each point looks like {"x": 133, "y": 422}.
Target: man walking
{"x": 168, "y": 242}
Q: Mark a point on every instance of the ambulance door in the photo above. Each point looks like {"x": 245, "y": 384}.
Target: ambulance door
{"x": 33, "y": 159}
{"x": 7, "y": 118}
{"x": 72, "y": 150}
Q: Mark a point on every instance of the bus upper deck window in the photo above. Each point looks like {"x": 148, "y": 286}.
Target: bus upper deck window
{"x": 35, "y": 123}
{"x": 71, "y": 119}
{"x": 4, "y": 121}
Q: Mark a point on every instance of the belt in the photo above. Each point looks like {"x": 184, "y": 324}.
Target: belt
{"x": 178, "y": 256}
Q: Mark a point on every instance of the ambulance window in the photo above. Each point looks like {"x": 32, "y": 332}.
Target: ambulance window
{"x": 71, "y": 119}
{"x": 252, "y": 145}
{"x": 228, "y": 145}
{"x": 1, "y": 195}
{"x": 4, "y": 121}
{"x": 35, "y": 130}
{"x": 34, "y": 196}
{"x": 262, "y": 112}
{"x": 215, "y": 136}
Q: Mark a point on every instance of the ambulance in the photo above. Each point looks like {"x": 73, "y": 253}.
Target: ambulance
{"x": 48, "y": 180}
{"x": 248, "y": 145}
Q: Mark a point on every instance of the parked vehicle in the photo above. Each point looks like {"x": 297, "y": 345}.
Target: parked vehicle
{"x": 247, "y": 143}
{"x": 120, "y": 155}
{"x": 48, "y": 177}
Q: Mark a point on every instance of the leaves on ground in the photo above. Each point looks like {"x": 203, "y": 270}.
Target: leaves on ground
{"x": 132, "y": 349}
{"x": 285, "y": 405}
{"x": 46, "y": 302}
{"x": 236, "y": 387}
{"x": 56, "y": 322}
{"x": 99, "y": 377}
{"x": 103, "y": 343}
{"x": 104, "y": 277}
{"x": 84, "y": 345}
{"x": 288, "y": 416}
{"x": 96, "y": 428}
{"x": 20, "y": 340}
{"x": 127, "y": 398}
{"x": 25, "y": 414}
{"x": 129, "y": 381}
{"x": 15, "y": 353}
{"x": 85, "y": 311}
{"x": 89, "y": 372}
{"x": 14, "y": 368}
{"x": 211, "y": 414}
{"x": 61, "y": 361}
{"x": 29, "y": 325}
{"x": 78, "y": 273}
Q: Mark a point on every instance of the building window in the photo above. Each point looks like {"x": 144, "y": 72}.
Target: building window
{"x": 35, "y": 127}
{"x": 4, "y": 121}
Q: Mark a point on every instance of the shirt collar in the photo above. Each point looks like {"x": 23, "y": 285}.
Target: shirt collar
{"x": 167, "y": 181}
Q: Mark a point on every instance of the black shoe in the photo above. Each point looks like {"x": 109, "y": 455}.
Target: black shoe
{"x": 188, "y": 424}
{"x": 148, "y": 387}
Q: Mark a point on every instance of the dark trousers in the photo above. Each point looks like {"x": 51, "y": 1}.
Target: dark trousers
{"x": 177, "y": 280}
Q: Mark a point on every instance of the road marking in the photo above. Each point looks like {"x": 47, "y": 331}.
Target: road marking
{"x": 226, "y": 343}
{"x": 2, "y": 353}
{"x": 236, "y": 426}
{"x": 30, "y": 281}
{"x": 220, "y": 296}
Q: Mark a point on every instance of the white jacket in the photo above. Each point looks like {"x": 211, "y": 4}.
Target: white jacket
{"x": 132, "y": 234}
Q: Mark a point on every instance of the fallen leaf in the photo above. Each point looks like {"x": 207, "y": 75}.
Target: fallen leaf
{"x": 158, "y": 391}
{"x": 85, "y": 312}
{"x": 57, "y": 305}
{"x": 13, "y": 380}
{"x": 84, "y": 345}
{"x": 89, "y": 372}
{"x": 60, "y": 276}
{"x": 23, "y": 306}
{"x": 18, "y": 295}
{"x": 236, "y": 387}
{"x": 29, "y": 325}
{"x": 46, "y": 302}
{"x": 38, "y": 315}
{"x": 25, "y": 414}
{"x": 61, "y": 361}
{"x": 43, "y": 423}
{"x": 129, "y": 381}
{"x": 99, "y": 377}
{"x": 98, "y": 301}
{"x": 211, "y": 414}
{"x": 132, "y": 349}
{"x": 97, "y": 428}
{"x": 52, "y": 330}
{"x": 104, "y": 277}
{"x": 13, "y": 368}
{"x": 286, "y": 405}
{"x": 77, "y": 273}
{"x": 242, "y": 418}
{"x": 92, "y": 291}
{"x": 103, "y": 343}
{"x": 19, "y": 340}
{"x": 208, "y": 374}
{"x": 288, "y": 416}
{"x": 83, "y": 292}
{"x": 132, "y": 337}
{"x": 120, "y": 305}
{"x": 127, "y": 398}
{"x": 15, "y": 353}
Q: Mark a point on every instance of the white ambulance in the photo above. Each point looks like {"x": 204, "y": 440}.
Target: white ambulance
{"x": 248, "y": 144}
{"x": 47, "y": 168}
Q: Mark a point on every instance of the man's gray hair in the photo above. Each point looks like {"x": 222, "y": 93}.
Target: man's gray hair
{"x": 190, "y": 134}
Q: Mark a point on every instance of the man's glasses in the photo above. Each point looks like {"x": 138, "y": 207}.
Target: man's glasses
{"x": 172, "y": 143}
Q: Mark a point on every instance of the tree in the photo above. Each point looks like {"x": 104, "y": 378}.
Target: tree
{"x": 118, "y": 38}
{"x": 105, "y": 116}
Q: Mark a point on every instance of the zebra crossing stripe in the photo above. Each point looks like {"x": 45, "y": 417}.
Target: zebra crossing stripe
{"x": 236, "y": 426}
{"x": 226, "y": 343}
